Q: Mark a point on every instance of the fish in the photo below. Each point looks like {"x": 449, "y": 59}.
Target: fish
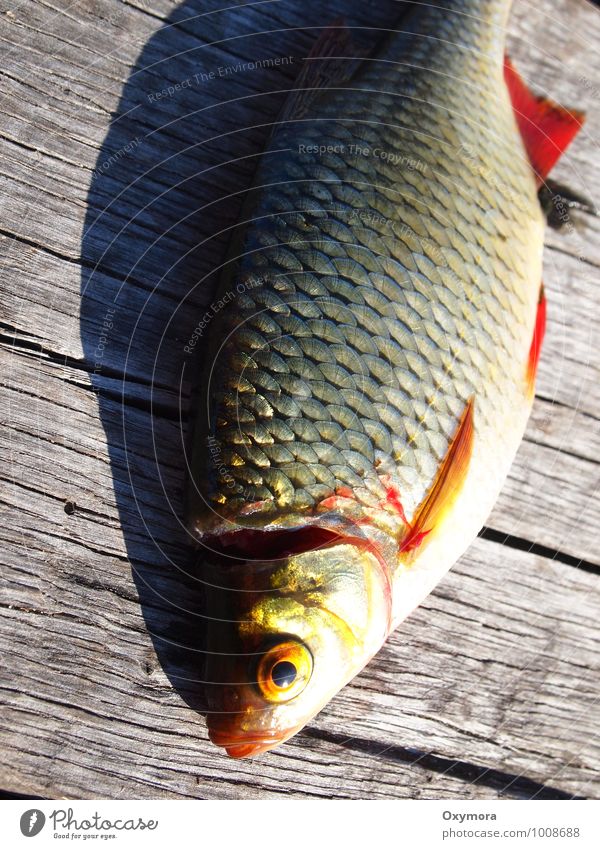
{"x": 369, "y": 359}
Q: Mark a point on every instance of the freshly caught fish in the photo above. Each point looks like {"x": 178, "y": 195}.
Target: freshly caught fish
{"x": 371, "y": 358}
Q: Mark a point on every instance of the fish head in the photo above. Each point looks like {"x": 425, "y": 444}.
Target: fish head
{"x": 288, "y": 635}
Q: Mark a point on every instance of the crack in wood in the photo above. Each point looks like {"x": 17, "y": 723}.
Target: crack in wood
{"x": 506, "y": 783}
{"x": 538, "y": 549}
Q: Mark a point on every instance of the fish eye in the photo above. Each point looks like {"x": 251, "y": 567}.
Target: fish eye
{"x": 284, "y": 671}
{"x": 283, "y": 674}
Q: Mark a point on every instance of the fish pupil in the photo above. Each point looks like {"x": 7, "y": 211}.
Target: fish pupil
{"x": 283, "y": 674}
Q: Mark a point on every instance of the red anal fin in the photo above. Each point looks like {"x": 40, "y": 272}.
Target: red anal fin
{"x": 546, "y": 128}
{"x": 536, "y": 343}
{"x": 329, "y": 63}
{"x": 447, "y": 485}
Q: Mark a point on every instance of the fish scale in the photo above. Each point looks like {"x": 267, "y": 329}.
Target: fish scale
{"x": 377, "y": 293}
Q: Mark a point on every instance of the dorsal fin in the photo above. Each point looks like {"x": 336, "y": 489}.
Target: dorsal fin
{"x": 329, "y": 63}
{"x": 546, "y": 128}
{"x": 446, "y": 486}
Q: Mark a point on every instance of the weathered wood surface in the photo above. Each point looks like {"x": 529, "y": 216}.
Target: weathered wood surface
{"x": 491, "y": 687}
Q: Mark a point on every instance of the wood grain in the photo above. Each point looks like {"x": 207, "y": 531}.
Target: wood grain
{"x": 115, "y": 204}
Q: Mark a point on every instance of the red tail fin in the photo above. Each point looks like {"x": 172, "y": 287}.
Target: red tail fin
{"x": 546, "y": 128}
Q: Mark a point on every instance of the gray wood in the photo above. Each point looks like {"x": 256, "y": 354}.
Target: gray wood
{"x": 491, "y": 687}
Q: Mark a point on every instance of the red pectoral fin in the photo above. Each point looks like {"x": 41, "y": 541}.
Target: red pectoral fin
{"x": 536, "y": 343}
{"x": 447, "y": 485}
{"x": 546, "y": 128}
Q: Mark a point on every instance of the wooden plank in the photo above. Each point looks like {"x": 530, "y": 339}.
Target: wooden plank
{"x": 490, "y": 686}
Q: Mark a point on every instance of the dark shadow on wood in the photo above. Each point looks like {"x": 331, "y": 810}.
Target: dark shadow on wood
{"x": 169, "y": 182}
{"x": 536, "y": 548}
{"x": 508, "y": 785}
{"x": 150, "y": 243}
{"x": 5, "y": 795}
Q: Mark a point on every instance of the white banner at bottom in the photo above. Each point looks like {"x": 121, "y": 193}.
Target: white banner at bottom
{"x": 299, "y": 824}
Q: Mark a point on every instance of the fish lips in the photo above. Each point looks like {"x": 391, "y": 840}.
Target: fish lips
{"x": 244, "y": 744}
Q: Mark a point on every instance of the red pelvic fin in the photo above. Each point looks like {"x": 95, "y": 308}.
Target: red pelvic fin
{"x": 546, "y": 128}
{"x": 536, "y": 343}
{"x": 329, "y": 63}
{"x": 447, "y": 485}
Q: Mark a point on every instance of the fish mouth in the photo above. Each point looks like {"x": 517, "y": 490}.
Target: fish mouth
{"x": 247, "y": 745}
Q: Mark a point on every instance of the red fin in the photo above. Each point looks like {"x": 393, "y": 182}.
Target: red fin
{"x": 328, "y": 63}
{"x": 447, "y": 485}
{"x": 546, "y": 128}
{"x": 392, "y": 499}
{"x": 412, "y": 540}
{"x": 536, "y": 343}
